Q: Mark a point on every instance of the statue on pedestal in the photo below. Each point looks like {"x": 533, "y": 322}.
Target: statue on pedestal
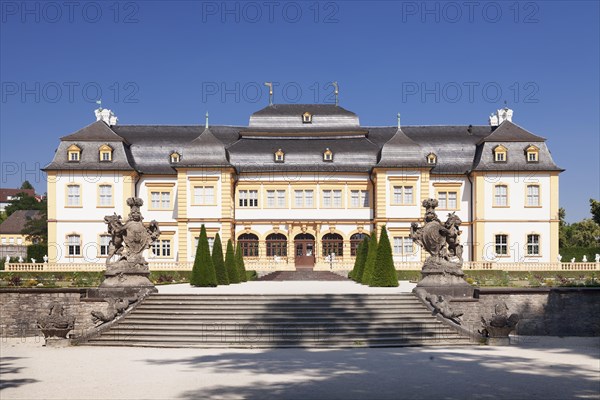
{"x": 127, "y": 244}
{"x": 442, "y": 271}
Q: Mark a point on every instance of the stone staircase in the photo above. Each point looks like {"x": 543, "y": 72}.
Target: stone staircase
{"x": 273, "y": 321}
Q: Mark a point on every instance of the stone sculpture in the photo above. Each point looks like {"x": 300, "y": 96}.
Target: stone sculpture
{"x": 500, "y": 325}
{"x": 116, "y": 306}
{"x": 597, "y": 257}
{"x": 56, "y": 324}
{"x": 442, "y": 270}
{"x": 442, "y": 306}
{"x": 128, "y": 241}
{"x": 584, "y": 259}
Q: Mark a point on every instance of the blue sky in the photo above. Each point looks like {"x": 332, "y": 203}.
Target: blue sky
{"x": 156, "y": 62}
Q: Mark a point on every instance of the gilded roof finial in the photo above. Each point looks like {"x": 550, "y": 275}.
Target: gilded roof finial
{"x": 270, "y": 85}
{"x": 398, "y": 116}
{"x": 206, "y": 124}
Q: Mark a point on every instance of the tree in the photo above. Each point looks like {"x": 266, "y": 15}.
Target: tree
{"x": 361, "y": 259}
{"x": 23, "y": 201}
{"x": 232, "y": 272}
{"x": 239, "y": 263}
{"x": 26, "y": 185}
{"x": 595, "y": 209}
{"x": 371, "y": 259}
{"x": 203, "y": 272}
{"x": 585, "y": 233}
{"x": 354, "y": 268}
{"x": 36, "y": 229}
{"x": 219, "y": 262}
{"x": 384, "y": 273}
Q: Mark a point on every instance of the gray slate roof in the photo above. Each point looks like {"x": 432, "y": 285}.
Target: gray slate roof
{"x": 146, "y": 148}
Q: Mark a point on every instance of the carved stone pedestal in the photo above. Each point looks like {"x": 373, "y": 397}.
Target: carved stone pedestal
{"x": 442, "y": 277}
{"x": 57, "y": 342}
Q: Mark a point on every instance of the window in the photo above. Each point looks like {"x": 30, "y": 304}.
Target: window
{"x": 249, "y": 244}
{"x": 3, "y": 241}
{"x": 327, "y": 155}
{"x": 355, "y": 240}
{"x": 276, "y": 198}
{"x": 175, "y": 157}
{"x": 500, "y": 153}
{"x": 501, "y": 196}
{"x": 431, "y": 159}
{"x": 211, "y": 243}
{"x": 104, "y": 244}
{"x": 307, "y": 118}
{"x": 332, "y": 199}
{"x": 276, "y": 245}
{"x": 11, "y": 240}
{"x": 248, "y": 198}
{"x": 73, "y": 153}
{"x": 106, "y": 153}
{"x": 403, "y": 195}
{"x": 333, "y": 243}
{"x": 19, "y": 240}
{"x": 105, "y": 198}
{"x": 359, "y": 198}
{"x": 161, "y": 248}
{"x": 74, "y": 245}
{"x": 501, "y": 247}
{"x": 204, "y": 195}
{"x": 533, "y": 195}
{"x": 73, "y": 195}
{"x": 160, "y": 200}
{"x": 403, "y": 246}
{"x": 303, "y": 198}
{"x": 447, "y": 200}
{"x": 533, "y": 245}
{"x": 279, "y": 156}
{"x": 532, "y": 153}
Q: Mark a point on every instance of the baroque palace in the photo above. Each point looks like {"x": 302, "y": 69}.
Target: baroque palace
{"x": 302, "y": 185}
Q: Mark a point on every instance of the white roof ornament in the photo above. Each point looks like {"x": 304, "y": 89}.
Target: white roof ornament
{"x": 501, "y": 115}
{"x": 106, "y": 115}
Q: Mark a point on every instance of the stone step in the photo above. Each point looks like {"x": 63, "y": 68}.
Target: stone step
{"x": 228, "y": 309}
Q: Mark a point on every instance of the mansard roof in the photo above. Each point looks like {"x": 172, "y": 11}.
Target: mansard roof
{"x": 146, "y": 148}
{"x": 98, "y": 131}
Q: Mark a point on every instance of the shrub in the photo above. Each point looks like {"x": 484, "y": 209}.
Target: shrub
{"x": 239, "y": 263}
{"x": 230, "y": 266}
{"x": 365, "y": 278}
{"x": 219, "y": 262}
{"x": 203, "y": 272}
{"x": 36, "y": 251}
{"x": 384, "y": 273}
{"x": 361, "y": 260}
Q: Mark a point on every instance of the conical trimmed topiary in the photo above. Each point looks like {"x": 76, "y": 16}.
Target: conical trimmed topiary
{"x": 219, "y": 262}
{"x": 353, "y": 271}
{"x": 203, "y": 272}
{"x": 232, "y": 272}
{"x": 361, "y": 258}
{"x": 365, "y": 278}
{"x": 384, "y": 273}
{"x": 239, "y": 263}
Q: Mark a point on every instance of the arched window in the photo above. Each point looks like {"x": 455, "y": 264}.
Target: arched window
{"x": 333, "y": 243}
{"x": 355, "y": 240}
{"x": 249, "y": 244}
{"x": 276, "y": 245}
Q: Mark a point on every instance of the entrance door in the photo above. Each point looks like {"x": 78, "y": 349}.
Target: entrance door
{"x": 304, "y": 245}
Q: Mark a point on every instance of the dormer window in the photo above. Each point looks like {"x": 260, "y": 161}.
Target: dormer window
{"x": 500, "y": 154}
{"x": 175, "y": 157}
{"x": 431, "y": 159}
{"x": 307, "y": 118}
{"x": 106, "y": 153}
{"x": 532, "y": 153}
{"x": 74, "y": 153}
{"x": 279, "y": 156}
{"x": 327, "y": 155}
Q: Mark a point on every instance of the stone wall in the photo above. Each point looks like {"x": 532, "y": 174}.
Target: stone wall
{"x": 542, "y": 311}
{"x": 21, "y": 308}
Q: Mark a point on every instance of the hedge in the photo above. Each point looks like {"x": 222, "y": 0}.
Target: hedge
{"x": 578, "y": 252}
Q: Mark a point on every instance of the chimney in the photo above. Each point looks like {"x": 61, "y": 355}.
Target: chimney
{"x": 503, "y": 114}
{"x": 103, "y": 114}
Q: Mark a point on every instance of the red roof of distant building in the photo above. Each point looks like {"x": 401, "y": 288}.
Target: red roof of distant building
{"x": 6, "y": 193}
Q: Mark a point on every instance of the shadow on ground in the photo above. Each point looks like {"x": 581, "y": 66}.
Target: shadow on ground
{"x": 484, "y": 373}
{"x": 7, "y": 367}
